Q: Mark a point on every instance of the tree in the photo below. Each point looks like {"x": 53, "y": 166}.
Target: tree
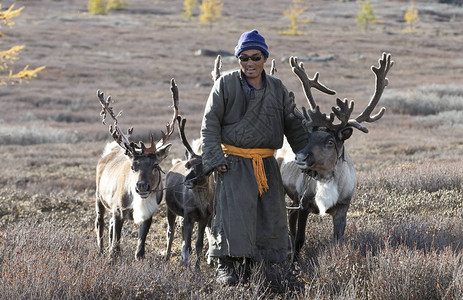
{"x": 98, "y": 7}
{"x": 211, "y": 10}
{"x": 188, "y": 8}
{"x": 366, "y": 15}
{"x": 115, "y": 4}
{"x": 293, "y": 14}
{"x": 411, "y": 18}
{"x": 101, "y": 7}
{"x": 7, "y": 57}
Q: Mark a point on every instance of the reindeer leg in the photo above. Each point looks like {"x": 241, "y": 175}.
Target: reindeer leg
{"x": 200, "y": 242}
{"x": 170, "y": 232}
{"x": 116, "y": 230}
{"x": 210, "y": 262}
{"x": 187, "y": 233}
{"x": 142, "y": 233}
{"x": 99, "y": 223}
{"x": 111, "y": 231}
{"x": 339, "y": 222}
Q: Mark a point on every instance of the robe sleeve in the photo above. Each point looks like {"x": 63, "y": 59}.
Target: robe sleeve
{"x": 295, "y": 133}
{"x": 211, "y": 128}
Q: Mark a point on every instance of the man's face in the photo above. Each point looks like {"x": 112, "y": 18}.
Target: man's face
{"x": 252, "y": 68}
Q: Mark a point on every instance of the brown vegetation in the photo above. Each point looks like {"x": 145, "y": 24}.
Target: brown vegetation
{"x": 404, "y": 228}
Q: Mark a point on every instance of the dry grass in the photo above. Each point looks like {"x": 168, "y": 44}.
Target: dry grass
{"x": 404, "y": 232}
{"x": 427, "y": 100}
{"x": 389, "y": 253}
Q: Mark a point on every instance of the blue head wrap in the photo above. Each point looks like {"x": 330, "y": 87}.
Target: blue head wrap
{"x": 251, "y": 40}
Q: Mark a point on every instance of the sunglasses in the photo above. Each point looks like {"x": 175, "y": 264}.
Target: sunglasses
{"x": 254, "y": 57}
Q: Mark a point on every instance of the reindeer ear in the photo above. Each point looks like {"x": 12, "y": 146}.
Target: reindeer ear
{"x": 345, "y": 133}
{"x": 162, "y": 152}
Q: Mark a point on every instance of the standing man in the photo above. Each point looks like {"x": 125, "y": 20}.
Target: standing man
{"x": 246, "y": 116}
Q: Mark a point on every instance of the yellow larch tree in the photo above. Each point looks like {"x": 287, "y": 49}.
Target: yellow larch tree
{"x": 188, "y": 9}
{"x": 411, "y": 18}
{"x": 211, "y": 10}
{"x": 98, "y": 7}
{"x": 293, "y": 14}
{"x": 366, "y": 16}
{"x": 7, "y": 57}
{"x": 101, "y": 7}
{"x": 116, "y": 4}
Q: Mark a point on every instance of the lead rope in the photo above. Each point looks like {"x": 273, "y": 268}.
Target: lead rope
{"x": 166, "y": 188}
{"x": 214, "y": 202}
{"x": 301, "y": 207}
{"x": 342, "y": 156}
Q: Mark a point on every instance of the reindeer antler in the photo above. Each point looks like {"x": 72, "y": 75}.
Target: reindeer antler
{"x": 122, "y": 139}
{"x": 181, "y": 128}
{"x": 314, "y": 118}
{"x": 217, "y": 66}
{"x": 308, "y": 83}
{"x": 273, "y": 68}
{"x": 170, "y": 126}
{"x": 385, "y": 64}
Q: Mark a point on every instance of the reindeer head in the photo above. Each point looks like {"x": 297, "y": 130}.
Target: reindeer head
{"x": 144, "y": 161}
{"x": 326, "y": 139}
{"x": 145, "y": 166}
{"x": 196, "y": 175}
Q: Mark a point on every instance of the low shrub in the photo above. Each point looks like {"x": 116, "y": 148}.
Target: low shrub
{"x": 426, "y": 100}
{"x": 40, "y": 134}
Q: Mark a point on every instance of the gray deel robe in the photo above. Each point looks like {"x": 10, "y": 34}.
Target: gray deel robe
{"x": 246, "y": 224}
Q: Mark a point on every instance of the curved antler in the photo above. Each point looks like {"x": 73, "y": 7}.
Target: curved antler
{"x": 122, "y": 139}
{"x": 181, "y": 128}
{"x": 308, "y": 83}
{"x": 385, "y": 64}
{"x": 170, "y": 126}
{"x": 315, "y": 118}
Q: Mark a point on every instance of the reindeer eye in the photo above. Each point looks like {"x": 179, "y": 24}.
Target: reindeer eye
{"x": 135, "y": 166}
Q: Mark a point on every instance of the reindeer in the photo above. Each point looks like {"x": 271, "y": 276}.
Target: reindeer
{"x": 327, "y": 183}
{"x": 190, "y": 194}
{"x": 128, "y": 180}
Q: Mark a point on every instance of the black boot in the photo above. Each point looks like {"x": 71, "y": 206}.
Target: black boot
{"x": 226, "y": 274}
{"x": 248, "y": 265}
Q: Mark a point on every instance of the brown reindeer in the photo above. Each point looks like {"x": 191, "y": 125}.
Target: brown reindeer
{"x": 189, "y": 194}
{"x": 128, "y": 180}
{"x": 328, "y": 180}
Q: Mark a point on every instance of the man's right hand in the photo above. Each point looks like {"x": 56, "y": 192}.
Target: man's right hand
{"x": 221, "y": 168}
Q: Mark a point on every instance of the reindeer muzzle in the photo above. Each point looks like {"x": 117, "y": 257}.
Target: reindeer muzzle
{"x": 304, "y": 161}
{"x": 143, "y": 189}
{"x": 189, "y": 184}
{"x": 190, "y": 180}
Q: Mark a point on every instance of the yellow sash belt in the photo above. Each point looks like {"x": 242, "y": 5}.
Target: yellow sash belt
{"x": 256, "y": 154}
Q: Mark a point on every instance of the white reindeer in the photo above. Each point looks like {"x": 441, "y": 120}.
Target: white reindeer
{"x": 128, "y": 180}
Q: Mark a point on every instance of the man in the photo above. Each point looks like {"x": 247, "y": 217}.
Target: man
{"x": 246, "y": 116}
